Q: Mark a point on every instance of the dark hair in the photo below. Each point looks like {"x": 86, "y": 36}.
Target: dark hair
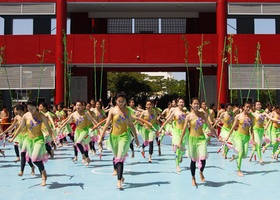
{"x": 246, "y": 102}
{"x": 44, "y": 104}
{"x": 228, "y": 104}
{"x": 131, "y": 99}
{"x": 100, "y": 103}
{"x": 32, "y": 102}
{"x": 19, "y": 107}
{"x": 222, "y": 105}
{"x": 195, "y": 98}
{"x": 180, "y": 98}
{"x": 257, "y": 101}
{"x": 121, "y": 94}
{"x": 212, "y": 105}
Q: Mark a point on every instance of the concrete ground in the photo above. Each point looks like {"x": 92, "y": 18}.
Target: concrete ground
{"x": 143, "y": 180}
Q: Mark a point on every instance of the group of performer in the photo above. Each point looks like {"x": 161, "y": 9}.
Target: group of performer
{"x": 38, "y": 131}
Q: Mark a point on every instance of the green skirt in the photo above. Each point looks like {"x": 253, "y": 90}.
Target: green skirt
{"x": 120, "y": 145}
{"x": 197, "y": 148}
{"x": 176, "y": 137}
{"x": 36, "y": 149}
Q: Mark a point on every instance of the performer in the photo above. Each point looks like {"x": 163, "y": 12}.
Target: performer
{"x": 21, "y": 139}
{"x": 43, "y": 108}
{"x": 33, "y": 120}
{"x": 260, "y": 116}
{"x": 100, "y": 115}
{"x": 15, "y": 123}
{"x": 81, "y": 117}
{"x": 241, "y": 138}
{"x": 168, "y": 126}
{"x": 148, "y": 134}
{"x": 197, "y": 143}
{"x": 227, "y": 117}
{"x": 274, "y": 131}
{"x": 120, "y": 137}
{"x": 178, "y": 115}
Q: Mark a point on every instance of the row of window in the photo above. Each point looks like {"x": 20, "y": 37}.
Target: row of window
{"x": 25, "y": 26}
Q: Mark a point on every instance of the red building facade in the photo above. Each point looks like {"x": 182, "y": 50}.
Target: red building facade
{"x": 139, "y": 36}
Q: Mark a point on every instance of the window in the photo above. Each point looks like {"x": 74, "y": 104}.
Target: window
{"x": 173, "y": 25}
{"x": 119, "y": 26}
{"x": 231, "y": 26}
{"x": 1, "y": 26}
{"x": 264, "y": 26}
{"x": 23, "y": 27}
{"x": 53, "y": 26}
{"x": 146, "y": 25}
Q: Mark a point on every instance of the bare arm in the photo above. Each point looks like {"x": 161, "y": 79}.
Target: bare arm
{"x": 213, "y": 132}
{"x": 184, "y": 129}
{"x": 133, "y": 130}
{"x": 45, "y": 121}
{"x": 108, "y": 122}
{"x": 18, "y": 130}
{"x": 219, "y": 119}
{"x": 93, "y": 121}
{"x": 167, "y": 120}
{"x": 236, "y": 119}
{"x": 10, "y": 127}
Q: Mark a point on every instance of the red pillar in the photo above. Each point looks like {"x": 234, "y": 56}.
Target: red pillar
{"x": 222, "y": 72}
{"x": 61, "y": 12}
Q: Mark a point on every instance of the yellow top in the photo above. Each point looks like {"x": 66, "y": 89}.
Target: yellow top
{"x": 120, "y": 124}
{"x": 244, "y": 125}
{"x": 228, "y": 121}
{"x": 34, "y": 128}
{"x": 180, "y": 121}
{"x": 275, "y": 124}
{"x": 152, "y": 118}
{"x": 196, "y": 127}
{"x": 81, "y": 122}
{"x": 259, "y": 121}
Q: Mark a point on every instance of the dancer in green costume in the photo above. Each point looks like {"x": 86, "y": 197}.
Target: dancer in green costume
{"x": 21, "y": 139}
{"x": 244, "y": 121}
{"x": 274, "y": 130}
{"x": 227, "y": 117}
{"x": 82, "y": 119}
{"x": 197, "y": 143}
{"x": 36, "y": 150}
{"x": 121, "y": 121}
{"x": 178, "y": 116}
{"x": 260, "y": 116}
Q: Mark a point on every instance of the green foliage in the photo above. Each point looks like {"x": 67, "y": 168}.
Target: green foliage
{"x": 142, "y": 87}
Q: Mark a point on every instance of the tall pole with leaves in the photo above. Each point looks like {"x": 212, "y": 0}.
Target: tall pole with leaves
{"x": 224, "y": 60}
{"x": 41, "y": 61}
{"x": 102, "y": 65}
{"x": 2, "y": 61}
{"x": 239, "y": 79}
{"x": 186, "y": 64}
{"x": 65, "y": 61}
{"x": 94, "y": 65}
{"x": 201, "y": 79}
